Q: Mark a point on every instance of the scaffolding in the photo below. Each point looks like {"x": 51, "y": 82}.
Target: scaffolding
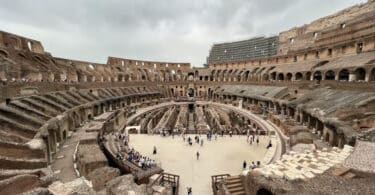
{"x": 243, "y": 50}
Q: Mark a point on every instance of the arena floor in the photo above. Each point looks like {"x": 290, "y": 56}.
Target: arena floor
{"x": 224, "y": 155}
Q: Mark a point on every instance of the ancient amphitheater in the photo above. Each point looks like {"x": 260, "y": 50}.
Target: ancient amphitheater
{"x": 307, "y": 95}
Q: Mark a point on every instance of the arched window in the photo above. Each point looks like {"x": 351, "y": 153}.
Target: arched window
{"x": 289, "y": 76}
{"x": 280, "y": 77}
{"x": 360, "y": 74}
{"x": 298, "y": 76}
{"x": 330, "y": 75}
{"x": 318, "y": 75}
{"x": 344, "y": 75}
{"x": 273, "y": 76}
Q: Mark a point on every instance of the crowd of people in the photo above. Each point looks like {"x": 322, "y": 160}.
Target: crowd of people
{"x": 130, "y": 154}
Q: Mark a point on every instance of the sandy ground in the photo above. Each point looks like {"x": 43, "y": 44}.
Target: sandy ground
{"x": 225, "y": 155}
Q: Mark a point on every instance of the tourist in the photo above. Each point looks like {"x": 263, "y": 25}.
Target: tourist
{"x": 155, "y": 151}
{"x": 201, "y": 142}
{"x": 244, "y": 164}
{"x": 257, "y": 141}
{"x": 189, "y": 191}
{"x": 197, "y": 155}
{"x": 230, "y": 133}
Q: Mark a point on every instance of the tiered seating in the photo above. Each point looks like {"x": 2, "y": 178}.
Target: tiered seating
{"x": 305, "y": 165}
{"x": 22, "y": 119}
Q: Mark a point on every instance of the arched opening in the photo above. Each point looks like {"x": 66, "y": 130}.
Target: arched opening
{"x": 318, "y": 75}
{"x": 172, "y": 91}
{"x": 263, "y": 191}
{"x": 190, "y": 76}
{"x": 246, "y": 76}
{"x": 280, "y": 77}
{"x": 191, "y": 92}
{"x": 344, "y": 75}
{"x": 289, "y": 76}
{"x": 330, "y": 75}
{"x": 273, "y": 76}
{"x": 360, "y": 74}
{"x": 298, "y": 76}
{"x": 120, "y": 78}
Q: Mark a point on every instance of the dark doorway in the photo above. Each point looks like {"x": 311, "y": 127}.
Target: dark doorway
{"x": 191, "y": 92}
{"x": 191, "y": 107}
{"x": 263, "y": 191}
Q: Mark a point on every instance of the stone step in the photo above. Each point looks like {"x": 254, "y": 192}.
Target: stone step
{"x": 16, "y": 163}
{"x": 58, "y": 100}
{"x": 21, "y": 151}
{"x": 234, "y": 185}
{"x": 25, "y": 108}
{"x": 10, "y": 136}
{"x": 60, "y": 108}
{"x": 236, "y": 189}
{"x": 8, "y": 173}
{"x": 238, "y": 193}
{"x": 20, "y": 117}
{"x": 14, "y": 127}
{"x": 50, "y": 111}
{"x": 68, "y": 98}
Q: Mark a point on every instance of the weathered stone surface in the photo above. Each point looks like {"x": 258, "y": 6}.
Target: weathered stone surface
{"x": 79, "y": 186}
{"x": 89, "y": 158}
{"x": 19, "y": 184}
{"x": 99, "y": 177}
{"x": 124, "y": 185}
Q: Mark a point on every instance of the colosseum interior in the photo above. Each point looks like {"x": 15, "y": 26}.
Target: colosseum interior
{"x": 68, "y": 126}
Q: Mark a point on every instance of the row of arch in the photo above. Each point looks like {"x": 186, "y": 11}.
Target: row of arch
{"x": 358, "y": 74}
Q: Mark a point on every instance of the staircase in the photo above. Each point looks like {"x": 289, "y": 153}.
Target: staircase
{"x": 234, "y": 185}
{"x": 191, "y": 122}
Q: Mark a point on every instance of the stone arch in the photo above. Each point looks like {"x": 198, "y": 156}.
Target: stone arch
{"x": 246, "y": 75}
{"x": 280, "y": 77}
{"x": 263, "y": 191}
{"x": 298, "y": 76}
{"x": 360, "y": 74}
{"x": 344, "y": 75}
{"x": 329, "y": 75}
{"x": 317, "y": 75}
{"x": 289, "y": 76}
{"x": 273, "y": 76}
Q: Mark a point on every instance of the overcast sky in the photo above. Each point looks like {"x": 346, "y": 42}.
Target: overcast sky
{"x": 159, "y": 30}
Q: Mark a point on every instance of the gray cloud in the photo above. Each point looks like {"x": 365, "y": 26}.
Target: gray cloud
{"x": 165, "y": 30}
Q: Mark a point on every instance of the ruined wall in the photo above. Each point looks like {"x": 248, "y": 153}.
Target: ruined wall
{"x": 305, "y": 36}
